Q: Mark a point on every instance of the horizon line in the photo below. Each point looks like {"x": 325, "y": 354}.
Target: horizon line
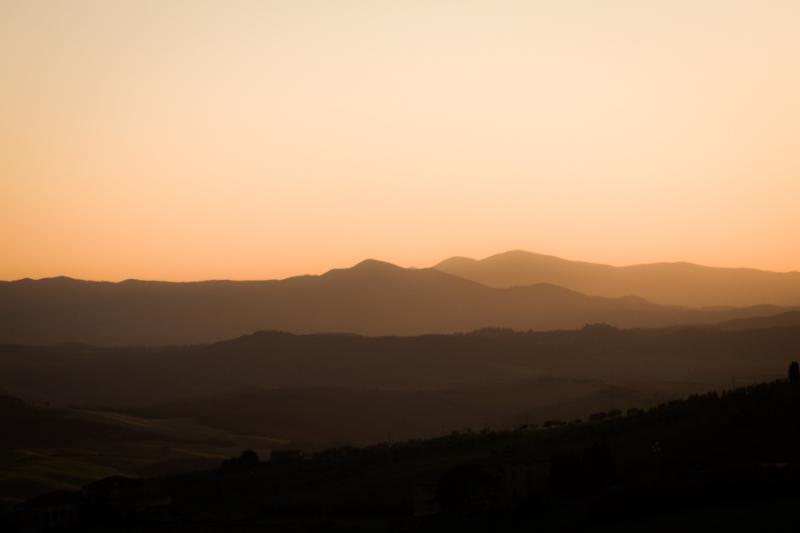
{"x": 370, "y": 259}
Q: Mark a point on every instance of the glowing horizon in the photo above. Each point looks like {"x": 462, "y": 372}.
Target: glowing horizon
{"x": 260, "y": 140}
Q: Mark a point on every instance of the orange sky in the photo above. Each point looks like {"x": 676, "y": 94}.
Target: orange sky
{"x": 256, "y": 139}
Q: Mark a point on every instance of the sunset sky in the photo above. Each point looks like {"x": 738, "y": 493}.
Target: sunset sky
{"x": 241, "y": 139}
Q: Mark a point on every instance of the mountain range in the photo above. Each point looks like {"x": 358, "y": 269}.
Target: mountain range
{"x": 684, "y": 284}
{"x": 371, "y": 298}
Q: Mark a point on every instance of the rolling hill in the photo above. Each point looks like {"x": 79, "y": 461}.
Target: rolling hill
{"x": 788, "y": 319}
{"x": 308, "y": 417}
{"x": 44, "y": 448}
{"x": 702, "y": 358}
{"x": 371, "y": 298}
{"x": 712, "y": 462}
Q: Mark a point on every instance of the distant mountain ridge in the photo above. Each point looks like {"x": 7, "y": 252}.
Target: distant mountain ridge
{"x": 681, "y": 283}
{"x": 700, "y": 357}
{"x": 371, "y": 298}
{"x": 788, "y": 319}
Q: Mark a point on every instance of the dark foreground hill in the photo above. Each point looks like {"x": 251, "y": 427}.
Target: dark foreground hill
{"x": 673, "y": 357}
{"x": 714, "y": 462}
{"x": 372, "y": 298}
{"x": 43, "y": 448}
{"x": 665, "y": 283}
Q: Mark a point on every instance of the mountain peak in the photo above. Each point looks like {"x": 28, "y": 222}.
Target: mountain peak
{"x": 455, "y": 261}
{"x": 674, "y": 283}
{"x": 367, "y": 267}
{"x": 516, "y": 253}
{"x": 375, "y": 265}
{"x": 54, "y": 280}
{"x": 511, "y": 256}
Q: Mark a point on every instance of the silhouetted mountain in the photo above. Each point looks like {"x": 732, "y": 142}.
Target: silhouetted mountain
{"x": 664, "y": 283}
{"x": 371, "y": 298}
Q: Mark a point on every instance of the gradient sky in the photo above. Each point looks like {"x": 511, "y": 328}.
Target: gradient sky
{"x": 240, "y": 139}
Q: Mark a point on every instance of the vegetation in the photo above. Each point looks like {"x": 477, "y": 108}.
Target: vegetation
{"x": 693, "y": 457}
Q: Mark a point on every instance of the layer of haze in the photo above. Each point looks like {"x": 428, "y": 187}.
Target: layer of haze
{"x": 257, "y": 139}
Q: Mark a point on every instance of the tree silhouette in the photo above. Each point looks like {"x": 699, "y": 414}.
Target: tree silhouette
{"x": 794, "y": 373}
{"x": 597, "y": 417}
{"x": 244, "y": 463}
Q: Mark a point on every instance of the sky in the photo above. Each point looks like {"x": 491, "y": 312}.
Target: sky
{"x": 244, "y": 139}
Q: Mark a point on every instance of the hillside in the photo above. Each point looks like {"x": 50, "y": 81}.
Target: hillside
{"x": 708, "y": 463}
{"x": 371, "y": 298}
{"x": 312, "y": 417}
{"x": 45, "y": 448}
{"x": 696, "y": 358}
{"x": 683, "y": 284}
